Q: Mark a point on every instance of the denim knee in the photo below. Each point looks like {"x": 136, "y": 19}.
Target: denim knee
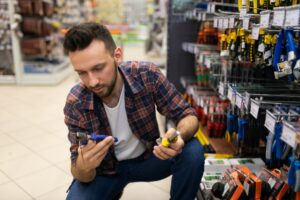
{"x": 193, "y": 154}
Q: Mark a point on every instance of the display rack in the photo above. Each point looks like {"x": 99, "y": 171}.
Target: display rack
{"x": 20, "y": 77}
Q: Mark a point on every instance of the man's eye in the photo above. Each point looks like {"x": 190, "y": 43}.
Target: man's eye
{"x": 81, "y": 73}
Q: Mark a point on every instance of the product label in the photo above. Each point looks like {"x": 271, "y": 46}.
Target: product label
{"x": 279, "y": 17}
{"x": 243, "y": 12}
{"x": 221, "y": 88}
{"x": 246, "y": 20}
{"x": 230, "y": 93}
{"x": 264, "y": 20}
{"x": 238, "y": 101}
{"x": 215, "y": 22}
{"x": 225, "y": 23}
{"x": 254, "y": 109}
{"x": 288, "y": 136}
{"x": 231, "y": 22}
{"x": 292, "y": 17}
{"x": 255, "y": 31}
{"x": 220, "y": 23}
{"x": 270, "y": 123}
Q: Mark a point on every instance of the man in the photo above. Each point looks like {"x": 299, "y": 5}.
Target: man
{"x": 118, "y": 99}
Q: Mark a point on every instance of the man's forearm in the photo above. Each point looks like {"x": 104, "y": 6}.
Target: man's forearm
{"x": 81, "y": 175}
{"x": 187, "y": 127}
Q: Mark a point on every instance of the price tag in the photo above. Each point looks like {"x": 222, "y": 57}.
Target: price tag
{"x": 213, "y": 8}
{"x": 198, "y": 101}
{"x": 226, "y": 188}
{"x": 203, "y": 16}
{"x": 208, "y": 8}
{"x": 246, "y": 20}
{"x": 202, "y": 103}
{"x": 272, "y": 182}
{"x": 221, "y": 88}
{"x": 215, "y": 22}
{"x": 264, "y": 19}
{"x": 288, "y": 136}
{"x": 270, "y": 122}
{"x": 255, "y": 31}
{"x": 292, "y": 17}
{"x": 279, "y": 17}
{"x": 225, "y": 23}
{"x": 230, "y": 93}
{"x": 247, "y": 99}
{"x": 254, "y": 109}
{"x": 207, "y": 63}
{"x": 220, "y": 23}
{"x": 206, "y": 109}
{"x": 238, "y": 100}
{"x": 195, "y": 13}
{"x": 231, "y": 22}
{"x": 199, "y": 18}
{"x": 246, "y": 188}
{"x": 243, "y": 12}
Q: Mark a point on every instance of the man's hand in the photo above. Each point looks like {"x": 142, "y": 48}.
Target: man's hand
{"x": 174, "y": 149}
{"x": 89, "y": 158}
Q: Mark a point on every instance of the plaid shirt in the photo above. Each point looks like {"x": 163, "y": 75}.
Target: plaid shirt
{"x": 145, "y": 87}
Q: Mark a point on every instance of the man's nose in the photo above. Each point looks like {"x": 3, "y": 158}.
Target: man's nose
{"x": 93, "y": 81}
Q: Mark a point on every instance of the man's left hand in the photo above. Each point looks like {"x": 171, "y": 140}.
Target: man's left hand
{"x": 174, "y": 149}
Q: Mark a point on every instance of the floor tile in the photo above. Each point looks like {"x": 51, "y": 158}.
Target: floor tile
{"x": 43, "y": 181}
{"x": 3, "y": 179}
{"x": 23, "y": 166}
{"x": 10, "y": 191}
{"x": 28, "y": 132}
{"x": 56, "y": 154}
{"x": 65, "y": 166}
{"x": 13, "y": 151}
{"x": 42, "y": 142}
{"x": 53, "y": 125}
{"x": 6, "y": 116}
{"x": 6, "y": 140}
{"x": 16, "y": 124}
{"x": 59, "y": 193}
{"x": 145, "y": 191}
{"x": 164, "y": 184}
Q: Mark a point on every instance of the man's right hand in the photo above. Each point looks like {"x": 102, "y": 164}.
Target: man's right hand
{"x": 90, "y": 157}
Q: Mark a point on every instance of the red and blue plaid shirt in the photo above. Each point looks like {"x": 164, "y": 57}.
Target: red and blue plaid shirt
{"x": 145, "y": 87}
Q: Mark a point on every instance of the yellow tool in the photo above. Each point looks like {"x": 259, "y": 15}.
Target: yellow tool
{"x": 166, "y": 141}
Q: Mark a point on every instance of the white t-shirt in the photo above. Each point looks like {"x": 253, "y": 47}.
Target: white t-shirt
{"x": 128, "y": 145}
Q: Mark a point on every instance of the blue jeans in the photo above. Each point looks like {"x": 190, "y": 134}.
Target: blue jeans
{"x": 186, "y": 168}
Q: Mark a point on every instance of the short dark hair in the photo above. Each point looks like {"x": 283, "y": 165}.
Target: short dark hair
{"x": 80, "y": 36}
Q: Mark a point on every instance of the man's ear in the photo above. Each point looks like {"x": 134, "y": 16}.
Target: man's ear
{"x": 118, "y": 56}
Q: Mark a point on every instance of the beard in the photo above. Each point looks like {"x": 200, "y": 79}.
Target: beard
{"x": 105, "y": 90}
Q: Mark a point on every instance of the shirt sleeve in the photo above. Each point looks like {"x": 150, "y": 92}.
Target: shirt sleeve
{"x": 168, "y": 100}
{"x": 73, "y": 120}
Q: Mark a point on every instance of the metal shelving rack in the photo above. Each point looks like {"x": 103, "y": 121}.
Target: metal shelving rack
{"x": 21, "y": 78}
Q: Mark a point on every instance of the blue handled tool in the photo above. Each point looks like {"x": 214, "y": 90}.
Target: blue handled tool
{"x": 294, "y": 174}
{"x": 83, "y": 137}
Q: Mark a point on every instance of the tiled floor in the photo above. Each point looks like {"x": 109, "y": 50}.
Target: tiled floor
{"x": 34, "y": 153}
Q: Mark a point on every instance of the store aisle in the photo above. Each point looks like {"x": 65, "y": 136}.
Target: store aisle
{"x": 34, "y": 155}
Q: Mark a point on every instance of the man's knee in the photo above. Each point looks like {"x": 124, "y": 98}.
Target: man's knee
{"x": 193, "y": 154}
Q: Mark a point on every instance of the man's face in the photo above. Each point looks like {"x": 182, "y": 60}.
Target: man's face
{"x": 96, "y": 67}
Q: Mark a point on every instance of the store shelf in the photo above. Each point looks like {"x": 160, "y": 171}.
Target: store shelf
{"x": 61, "y": 72}
{"x": 204, "y": 49}
{"x": 7, "y": 79}
{"x": 220, "y": 145}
